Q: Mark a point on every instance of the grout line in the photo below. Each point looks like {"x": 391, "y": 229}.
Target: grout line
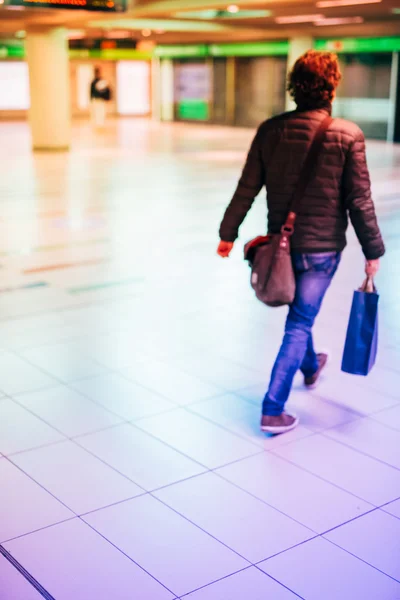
{"x": 25, "y": 574}
{"x": 260, "y": 450}
{"x": 260, "y": 562}
{"x": 279, "y": 582}
{"x": 201, "y": 528}
{"x": 40, "y": 485}
{"x": 358, "y": 517}
{"x": 126, "y": 555}
{"x": 203, "y": 587}
{"x": 39, "y": 529}
{"x": 342, "y": 443}
{"x": 278, "y": 510}
{"x": 287, "y": 460}
{"x": 362, "y": 560}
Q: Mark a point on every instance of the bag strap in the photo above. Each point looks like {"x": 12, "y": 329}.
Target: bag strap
{"x": 305, "y": 175}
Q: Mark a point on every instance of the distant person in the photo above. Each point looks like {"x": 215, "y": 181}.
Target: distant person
{"x": 339, "y": 189}
{"x": 100, "y": 94}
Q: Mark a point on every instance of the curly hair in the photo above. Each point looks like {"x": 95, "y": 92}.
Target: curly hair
{"x": 314, "y": 79}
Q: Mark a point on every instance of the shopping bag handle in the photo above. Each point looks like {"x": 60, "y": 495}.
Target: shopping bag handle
{"x": 368, "y": 286}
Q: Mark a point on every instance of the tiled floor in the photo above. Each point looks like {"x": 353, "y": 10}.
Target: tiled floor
{"x": 132, "y": 365}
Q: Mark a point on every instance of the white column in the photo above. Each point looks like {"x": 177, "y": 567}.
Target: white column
{"x": 49, "y": 114}
{"x": 167, "y": 90}
{"x": 156, "y": 89}
{"x": 297, "y": 47}
{"x": 393, "y": 96}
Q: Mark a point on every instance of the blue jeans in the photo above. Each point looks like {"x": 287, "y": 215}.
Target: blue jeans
{"x": 314, "y": 273}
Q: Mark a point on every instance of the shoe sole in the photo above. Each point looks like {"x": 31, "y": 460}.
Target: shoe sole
{"x": 279, "y": 430}
{"x": 313, "y": 386}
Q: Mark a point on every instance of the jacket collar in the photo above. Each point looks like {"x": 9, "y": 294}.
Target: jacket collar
{"x": 326, "y": 107}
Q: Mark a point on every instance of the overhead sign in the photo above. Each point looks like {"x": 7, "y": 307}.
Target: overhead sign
{"x": 359, "y": 45}
{"x": 8, "y": 51}
{"x": 12, "y": 50}
{"x": 182, "y": 51}
{"x": 90, "y": 5}
{"x": 278, "y": 48}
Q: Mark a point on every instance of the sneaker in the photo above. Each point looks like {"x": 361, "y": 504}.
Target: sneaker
{"x": 311, "y": 382}
{"x": 278, "y": 424}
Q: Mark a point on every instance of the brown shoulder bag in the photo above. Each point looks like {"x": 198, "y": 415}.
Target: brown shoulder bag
{"x": 272, "y": 275}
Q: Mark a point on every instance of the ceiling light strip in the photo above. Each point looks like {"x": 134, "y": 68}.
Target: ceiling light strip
{"x": 340, "y": 3}
{"x": 339, "y": 21}
{"x": 298, "y": 19}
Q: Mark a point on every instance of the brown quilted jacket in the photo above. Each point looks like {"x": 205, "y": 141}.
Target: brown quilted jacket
{"x": 340, "y": 187}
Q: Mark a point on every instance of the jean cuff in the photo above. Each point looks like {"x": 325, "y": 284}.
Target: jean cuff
{"x": 270, "y": 408}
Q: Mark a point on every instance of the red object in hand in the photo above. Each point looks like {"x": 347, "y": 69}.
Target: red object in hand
{"x": 224, "y": 249}
{"x": 253, "y": 244}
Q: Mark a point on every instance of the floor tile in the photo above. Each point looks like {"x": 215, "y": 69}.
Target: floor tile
{"x": 183, "y": 430}
{"x": 123, "y": 397}
{"x": 243, "y": 418}
{"x": 389, "y": 417}
{"x": 25, "y": 516}
{"x": 308, "y": 571}
{"x": 117, "y": 350}
{"x": 177, "y": 553}
{"x": 62, "y": 361}
{"x": 318, "y": 414}
{"x": 176, "y": 328}
{"x": 345, "y": 467}
{"x": 141, "y": 457}
{"x": 393, "y": 508}
{"x": 253, "y": 393}
{"x": 316, "y": 503}
{"x": 250, "y": 583}
{"x": 78, "y": 479}
{"x": 170, "y": 382}
{"x": 371, "y": 438}
{"x": 17, "y": 375}
{"x": 66, "y": 558}
{"x": 384, "y": 381}
{"x": 375, "y": 538}
{"x": 66, "y": 410}
{"x": 20, "y": 430}
{"x": 13, "y": 585}
{"x": 349, "y": 392}
{"x": 245, "y": 524}
{"x": 218, "y": 371}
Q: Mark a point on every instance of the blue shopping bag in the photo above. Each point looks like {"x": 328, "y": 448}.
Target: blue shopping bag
{"x": 362, "y": 333}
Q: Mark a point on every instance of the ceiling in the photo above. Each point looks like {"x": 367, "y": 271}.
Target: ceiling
{"x": 173, "y": 21}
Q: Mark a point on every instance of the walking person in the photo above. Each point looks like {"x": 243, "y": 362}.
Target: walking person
{"x": 339, "y": 189}
{"x": 100, "y": 94}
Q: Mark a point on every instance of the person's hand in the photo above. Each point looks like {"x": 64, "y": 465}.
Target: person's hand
{"x": 224, "y": 249}
{"x": 371, "y": 267}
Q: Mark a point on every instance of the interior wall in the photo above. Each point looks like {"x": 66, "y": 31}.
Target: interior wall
{"x": 259, "y": 89}
{"x": 364, "y": 93}
{"x": 14, "y": 89}
{"x": 219, "y": 112}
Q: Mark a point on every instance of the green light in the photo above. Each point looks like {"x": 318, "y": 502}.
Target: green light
{"x": 359, "y": 45}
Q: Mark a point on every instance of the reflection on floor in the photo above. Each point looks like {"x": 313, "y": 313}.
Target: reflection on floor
{"x": 132, "y": 366}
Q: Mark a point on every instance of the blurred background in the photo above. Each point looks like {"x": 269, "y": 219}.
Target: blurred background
{"x": 193, "y": 60}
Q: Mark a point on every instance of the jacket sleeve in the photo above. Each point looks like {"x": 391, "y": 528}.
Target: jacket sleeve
{"x": 358, "y": 200}
{"x": 250, "y": 184}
